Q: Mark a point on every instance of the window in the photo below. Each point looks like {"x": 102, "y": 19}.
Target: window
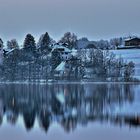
{"x": 61, "y": 49}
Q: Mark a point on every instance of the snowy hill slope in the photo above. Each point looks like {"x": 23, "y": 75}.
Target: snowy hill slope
{"x": 130, "y": 55}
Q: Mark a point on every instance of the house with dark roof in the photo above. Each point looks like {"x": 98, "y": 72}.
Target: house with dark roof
{"x": 132, "y": 42}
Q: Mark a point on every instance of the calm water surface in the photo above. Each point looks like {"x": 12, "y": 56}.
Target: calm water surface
{"x": 69, "y": 112}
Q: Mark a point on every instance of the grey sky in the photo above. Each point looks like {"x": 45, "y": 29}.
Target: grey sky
{"x": 95, "y": 19}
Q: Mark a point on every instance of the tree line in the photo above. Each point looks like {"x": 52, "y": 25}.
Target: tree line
{"x": 32, "y": 61}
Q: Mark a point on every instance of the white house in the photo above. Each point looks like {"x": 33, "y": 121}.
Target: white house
{"x": 65, "y": 52}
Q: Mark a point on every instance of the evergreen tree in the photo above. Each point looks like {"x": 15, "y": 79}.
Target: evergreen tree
{"x": 1, "y": 51}
{"x": 45, "y": 41}
{"x": 29, "y": 43}
{"x": 1, "y": 43}
{"x": 29, "y": 54}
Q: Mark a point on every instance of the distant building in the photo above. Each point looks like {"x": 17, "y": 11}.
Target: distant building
{"x": 65, "y": 52}
{"x": 132, "y": 42}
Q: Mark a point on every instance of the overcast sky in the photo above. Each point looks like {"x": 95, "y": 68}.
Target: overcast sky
{"x": 96, "y": 19}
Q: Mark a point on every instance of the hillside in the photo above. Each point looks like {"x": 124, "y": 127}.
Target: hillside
{"x": 130, "y": 55}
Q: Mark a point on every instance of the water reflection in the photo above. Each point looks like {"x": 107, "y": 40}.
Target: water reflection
{"x": 67, "y": 104}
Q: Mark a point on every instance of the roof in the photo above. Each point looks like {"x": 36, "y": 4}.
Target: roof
{"x": 74, "y": 52}
{"x": 61, "y": 66}
{"x": 8, "y": 51}
{"x": 132, "y": 38}
{"x": 56, "y": 46}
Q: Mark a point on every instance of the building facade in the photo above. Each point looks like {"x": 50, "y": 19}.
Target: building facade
{"x": 132, "y": 42}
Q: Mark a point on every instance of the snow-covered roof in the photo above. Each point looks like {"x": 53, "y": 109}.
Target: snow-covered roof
{"x": 130, "y": 38}
{"x": 74, "y": 52}
{"x": 60, "y": 47}
{"x": 61, "y": 66}
{"x": 8, "y": 51}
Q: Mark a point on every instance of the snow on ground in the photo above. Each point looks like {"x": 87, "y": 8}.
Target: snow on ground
{"x": 130, "y": 55}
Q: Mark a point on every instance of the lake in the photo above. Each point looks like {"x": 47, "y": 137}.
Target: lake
{"x": 69, "y": 111}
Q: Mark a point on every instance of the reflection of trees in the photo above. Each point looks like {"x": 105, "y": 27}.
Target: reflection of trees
{"x": 44, "y": 118}
{"x": 29, "y": 118}
{"x": 68, "y": 104}
{"x": 69, "y": 123}
{"x": 12, "y": 117}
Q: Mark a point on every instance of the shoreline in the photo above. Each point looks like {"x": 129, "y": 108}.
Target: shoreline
{"x": 69, "y": 82}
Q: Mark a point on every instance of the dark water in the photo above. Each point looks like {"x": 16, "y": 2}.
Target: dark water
{"x": 69, "y": 111}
